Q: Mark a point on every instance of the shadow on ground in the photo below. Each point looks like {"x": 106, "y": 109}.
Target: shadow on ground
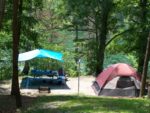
{"x": 7, "y": 103}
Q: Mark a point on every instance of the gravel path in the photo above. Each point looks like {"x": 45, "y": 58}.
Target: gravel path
{"x": 84, "y": 86}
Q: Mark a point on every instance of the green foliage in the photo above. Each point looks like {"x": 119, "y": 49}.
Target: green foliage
{"x": 5, "y": 64}
{"x": 119, "y": 58}
{"x": 69, "y": 63}
{"x": 5, "y": 40}
{"x": 6, "y": 43}
{"x": 29, "y": 23}
{"x": 5, "y": 70}
{"x": 50, "y": 24}
{"x": 45, "y": 64}
{"x": 91, "y": 56}
{"x": 28, "y": 33}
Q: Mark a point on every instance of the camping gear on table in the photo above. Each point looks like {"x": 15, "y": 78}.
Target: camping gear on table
{"x": 37, "y": 72}
{"x": 53, "y": 75}
{"x": 118, "y": 80}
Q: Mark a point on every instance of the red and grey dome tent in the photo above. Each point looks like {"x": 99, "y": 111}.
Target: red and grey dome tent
{"x": 117, "y": 80}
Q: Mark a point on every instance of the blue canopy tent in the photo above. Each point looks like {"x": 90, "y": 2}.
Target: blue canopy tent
{"x": 40, "y": 53}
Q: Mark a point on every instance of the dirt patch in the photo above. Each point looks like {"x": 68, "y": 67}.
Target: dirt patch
{"x": 71, "y": 87}
{"x": 84, "y": 84}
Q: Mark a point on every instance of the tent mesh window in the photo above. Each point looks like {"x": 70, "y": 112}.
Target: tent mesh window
{"x": 125, "y": 82}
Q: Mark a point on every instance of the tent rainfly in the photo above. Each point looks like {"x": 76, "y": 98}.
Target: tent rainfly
{"x": 40, "y": 53}
{"x": 118, "y": 80}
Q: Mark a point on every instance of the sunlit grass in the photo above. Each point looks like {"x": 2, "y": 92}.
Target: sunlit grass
{"x": 85, "y": 104}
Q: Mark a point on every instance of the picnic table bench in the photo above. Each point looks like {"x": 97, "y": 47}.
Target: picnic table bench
{"x": 44, "y": 88}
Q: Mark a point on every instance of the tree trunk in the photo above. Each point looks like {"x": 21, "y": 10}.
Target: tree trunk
{"x": 97, "y": 43}
{"x": 17, "y": 12}
{"x": 145, "y": 67}
{"x": 143, "y": 35}
{"x": 16, "y": 35}
{"x": 106, "y": 8}
{"x": 2, "y": 11}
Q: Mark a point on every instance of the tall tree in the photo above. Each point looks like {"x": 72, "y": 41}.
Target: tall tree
{"x": 16, "y": 35}
{"x": 145, "y": 67}
{"x": 143, "y": 34}
{"x": 106, "y": 7}
{"x": 93, "y": 16}
{"x": 2, "y": 11}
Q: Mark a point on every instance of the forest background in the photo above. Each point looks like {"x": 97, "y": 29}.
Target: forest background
{"x": 98, "y": 32}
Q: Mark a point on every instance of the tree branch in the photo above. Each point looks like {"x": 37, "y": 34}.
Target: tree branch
{"x": 114, "y": 37}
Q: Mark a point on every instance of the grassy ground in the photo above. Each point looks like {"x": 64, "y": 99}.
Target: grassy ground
{"x": 85, "y": 104}
{"x": 75, "y": 104}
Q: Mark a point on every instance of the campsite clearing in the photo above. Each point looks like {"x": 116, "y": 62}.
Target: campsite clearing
{"x": 67, "y": 100}
{"x": 71, "y": 87}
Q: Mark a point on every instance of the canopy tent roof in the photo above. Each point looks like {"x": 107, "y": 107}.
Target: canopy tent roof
{"x": 40, "y": 53}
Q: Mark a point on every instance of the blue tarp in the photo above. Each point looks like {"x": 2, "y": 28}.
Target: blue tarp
{"x": 40, "y": 53}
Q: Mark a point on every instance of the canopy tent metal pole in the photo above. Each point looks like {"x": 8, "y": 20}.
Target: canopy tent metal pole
{"x": 78, "y": 76}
